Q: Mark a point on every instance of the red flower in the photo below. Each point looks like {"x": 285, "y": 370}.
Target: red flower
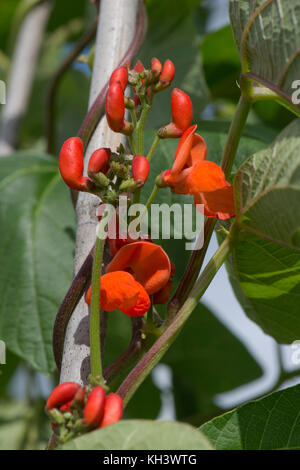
{"x": 71, "y": 165}
{"x": 148, "y": 263}
{"x": 205, "y": 180}
{"x": 115, "y": 109}
{"x": 182, "y": 115}
{"x": 119, "y": 290}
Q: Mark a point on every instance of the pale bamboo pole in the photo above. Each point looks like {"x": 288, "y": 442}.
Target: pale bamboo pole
{"x": 116, "y": 28}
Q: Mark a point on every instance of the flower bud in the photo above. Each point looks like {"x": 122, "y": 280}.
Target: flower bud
{"x": 156, "y": 66}
{"x": 71, "y": 165}
{"x": 182, "y": 115}
{"x": 115, "y": 109}
{"x": 113, "y": 410}
{"x": 140, "y": 169}
{"x": 99, "y": 161}
{"x": 119, "y": 75}
{"x": 62, "y": 394}
{"x": 94, "y": 408}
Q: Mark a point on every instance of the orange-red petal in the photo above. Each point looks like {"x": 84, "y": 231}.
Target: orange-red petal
{"x": 149, "y": 264}
{"x": 219, "y": 203}
{"x": 119, "y": 290}
{"x": 205, "y": 177}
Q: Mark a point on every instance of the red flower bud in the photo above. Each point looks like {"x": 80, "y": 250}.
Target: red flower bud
{"x": 167, "y": 73}
{"x": 182, "y": 109}
{"x": 139, "y": 68}
{"x": 115, "y": 109}
{"x": 62, "y": 394}
{"x": 79, "y": 396}
{"x": 119, "y": 75}
{"x": 182, "y": 115}
{"x": 113, "y": 410}
{"x": 140, "y": 169}
{"x": 99, "y": 161}
{"x": 94, "y": 408}
{"x": 71, "y": 164}
{"x": 156, "y": 66}
{"x": 66, "y": 406}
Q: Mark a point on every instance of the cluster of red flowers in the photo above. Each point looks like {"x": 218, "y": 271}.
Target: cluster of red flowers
{"x": 75, "y": 410}
{"x": 139, "y": 268}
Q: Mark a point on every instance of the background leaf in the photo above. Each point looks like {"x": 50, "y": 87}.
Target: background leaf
{"x": 267, "y": 35}
{"x": 37, "y": 223}
{"x": 272, "y": 423}
{"x": 267, "y": 190}
{"x": 172, "y": 34}
{"x": 141, "y": 435}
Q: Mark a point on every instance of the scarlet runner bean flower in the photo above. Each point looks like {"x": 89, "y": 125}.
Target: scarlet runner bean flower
{"x": 148, "y": 263}
{"x": 119, "y": 290}
{"x": 182, "y": 115}
{"x": 119, "y": 75}
{"x": 115, "y": 109}
{"x": 167, "y": 74}
{"x": 205, "y": 180}
{"x": 71, "y": 165}
{"x": 99, "y": 161}
{"x": 62, "y": 394}
{"x": 140, "y": 169}
{"x": 94, "y": 408}
{"x": 113, "y": 410}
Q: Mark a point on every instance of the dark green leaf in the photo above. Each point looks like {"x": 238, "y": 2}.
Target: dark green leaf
{"x": 37, "y": 222}
{"x": 272, "y": 423}
{"x": 267, "y": 34}
{"x": 142, "y": 435}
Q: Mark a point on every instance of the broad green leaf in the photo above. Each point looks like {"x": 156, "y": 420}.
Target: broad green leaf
{"x": 172, "y": 35}
{"x": 267, "y": 34}
{"x": 267, "y": 190}
{"x": 207, "y": 359}
{"x": 142, "y": 435}
{"x": 37, "y": 230}
{"x": 264, "y": 266}
{"x": 271, "y": 423}
{"x": 265, "y": 277}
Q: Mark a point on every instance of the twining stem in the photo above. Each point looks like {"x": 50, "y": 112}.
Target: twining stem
{"x": 153, "y": 147}
{"x": 96, "y": 110}
{"x": 152, "y": 357}
{"x": 55, "y": 81}
{"x": 196, "y": 261}
{"x": 75, "y": 292}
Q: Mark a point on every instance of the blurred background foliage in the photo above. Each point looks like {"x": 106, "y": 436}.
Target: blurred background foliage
{"x": 207, "y": 358}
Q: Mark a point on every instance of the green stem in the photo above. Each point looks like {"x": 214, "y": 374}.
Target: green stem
{"x": 196, "y": 261}
{"x": 140, "y": 128}
{"x": 95, "y": 346}
{"x": 153, "y": 356}
{"x": 235, "y": 134}
{"x": 150, "y": 200}
{"x": 132, "y": 144}
{"x": 153, "y": 147}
